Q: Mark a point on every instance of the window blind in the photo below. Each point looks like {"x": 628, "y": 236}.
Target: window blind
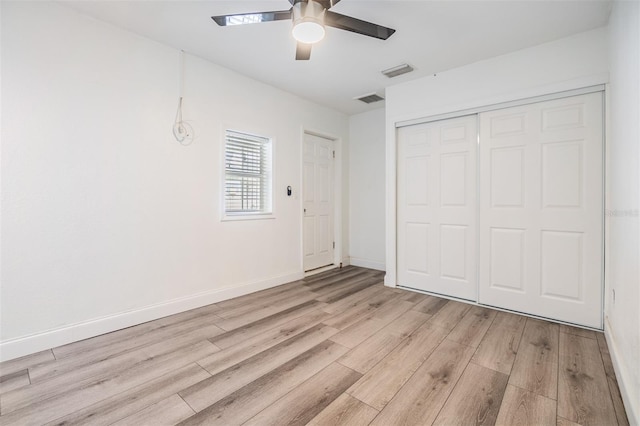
{"x": 247, "y": 174}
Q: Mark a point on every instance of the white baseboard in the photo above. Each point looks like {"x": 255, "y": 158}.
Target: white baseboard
{"x": 630, "y": 396}
{"x": 14, "y": 348}
{"x": 366, "y": 263}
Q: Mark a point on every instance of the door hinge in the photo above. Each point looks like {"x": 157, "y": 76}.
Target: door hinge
{"x": 334, "y": 154}
{"x": 334, "y": 244}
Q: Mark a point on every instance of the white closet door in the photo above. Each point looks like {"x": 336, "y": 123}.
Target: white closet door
{"x": 541, "y": 209}
{"x": 437, "y": 207}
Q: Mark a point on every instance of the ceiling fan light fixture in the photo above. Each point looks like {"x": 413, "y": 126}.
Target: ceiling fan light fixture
{"x": 308, "y": 22}
{"x": 308, "y": 32}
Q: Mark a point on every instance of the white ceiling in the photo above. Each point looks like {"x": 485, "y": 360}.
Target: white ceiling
{"x": 432, "y": 36}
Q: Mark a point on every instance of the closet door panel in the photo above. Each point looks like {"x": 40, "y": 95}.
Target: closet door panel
{"x": 541, "y": 210}
{"x": 437, "y": 207}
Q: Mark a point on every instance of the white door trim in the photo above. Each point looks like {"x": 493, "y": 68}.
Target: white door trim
{"x": 501, "y": 105}
{"x": 338, "y": 259}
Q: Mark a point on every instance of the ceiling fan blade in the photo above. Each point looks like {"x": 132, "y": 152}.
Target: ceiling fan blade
{"x": 327, "y": 4}
{"x": 303, "y": 51}
{"x": 252, "y": 18}
{"x": 348, "y": 23}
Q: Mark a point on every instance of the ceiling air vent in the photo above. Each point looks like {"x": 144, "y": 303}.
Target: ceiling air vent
{"x": 399, "y": 70}
{"x": 370, "y": 98}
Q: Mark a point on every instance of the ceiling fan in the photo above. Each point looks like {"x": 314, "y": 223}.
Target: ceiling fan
{"x": 309, "y": 19}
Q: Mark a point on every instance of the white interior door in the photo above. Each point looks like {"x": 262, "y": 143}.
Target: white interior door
{"x": 437, "y": 207}
{"x": 541, "y": 209}
{"x": 317, "y": 178}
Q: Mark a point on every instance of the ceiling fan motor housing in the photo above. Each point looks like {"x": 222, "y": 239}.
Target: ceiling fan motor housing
{"x": 308, "y": 11}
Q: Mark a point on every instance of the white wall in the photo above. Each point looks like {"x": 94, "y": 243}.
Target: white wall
{"x": 569, "y": 63}
{"x": 366, "y": 189}
{"x": 106, "y": 220}
{"x": 622, "y": 313}
{"x": 576, "y": 61}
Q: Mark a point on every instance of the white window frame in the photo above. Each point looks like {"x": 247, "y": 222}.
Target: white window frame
{"x": 266, "y": 161}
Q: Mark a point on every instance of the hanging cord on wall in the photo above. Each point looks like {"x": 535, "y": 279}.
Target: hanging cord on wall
{"x": 182, "y": 131}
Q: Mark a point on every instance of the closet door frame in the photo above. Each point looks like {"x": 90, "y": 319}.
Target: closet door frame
{"x": 391, "y": 277}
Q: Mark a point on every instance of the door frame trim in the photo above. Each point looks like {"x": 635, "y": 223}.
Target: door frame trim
{"x": 502, "y": 105}
{"x": 337, "y": 195}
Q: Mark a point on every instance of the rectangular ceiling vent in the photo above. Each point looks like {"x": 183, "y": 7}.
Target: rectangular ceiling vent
{"x": 399, "y": 70}
{"x": 370, "y": 98}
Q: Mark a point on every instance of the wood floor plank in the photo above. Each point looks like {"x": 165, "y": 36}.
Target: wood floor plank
{"x": 132, "y": 334}
{"x": 15, "y": 380}
{"x": 246, "y": 402}
{"x": 355, "y": 287}
{"x": 143, "y": 360}
{"x": 583, "y": 390}
{"x": 380, "y": 384}
{"x": 351, "y": 276}
{"x": 561, "y": 421}
{"x": 345, "y": 410}
{"x": 499, "y": 347}
{"x": 70, "y": 369}
{"x": 419, "y": 401}
{"x": 577, "y": 331}
{"x": 326, "y": 286}
{"x": 91, "y": 392}
{"x": 360, "y": 310}
{"x": 367, "y": 354}
{"x": 121, "y": 346}
{"x": 245, "y": 349}
{"x": 167, "y": 412}
{"x": 220, "y": 385}
{"x": 521, "y": 407}
{"x": 129, "y": 402}
{"x": 354, "y": 300}
{"x": 614, "y": 389}
{"x": 251, "y": 298}
{"x": 370, "y": 324}
{"x": 450, "y": 314}
{"x": 262, "y": 311}
{"x": 475, "y": 399}
{"x": 606, "y": 356}
{"x": 264, "y": 302}
{"x": 248, "y": 331}
{"x": 430, "y": 305}
{"x": 413, "y": 297}
{"x": 331, "y": 277}
{"x": 473, "y": 326}
{"x": 304, "y": 402}
{"x": 25, "y": 362}
{"x": 536, "y": 365}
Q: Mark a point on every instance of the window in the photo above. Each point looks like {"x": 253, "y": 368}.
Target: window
{"x": 247, "y": 183}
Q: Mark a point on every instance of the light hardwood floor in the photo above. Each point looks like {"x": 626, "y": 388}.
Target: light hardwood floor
{"x": 334, "y": 348}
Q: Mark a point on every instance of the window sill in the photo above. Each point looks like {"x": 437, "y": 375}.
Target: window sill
{"x": 247, "y": 216}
